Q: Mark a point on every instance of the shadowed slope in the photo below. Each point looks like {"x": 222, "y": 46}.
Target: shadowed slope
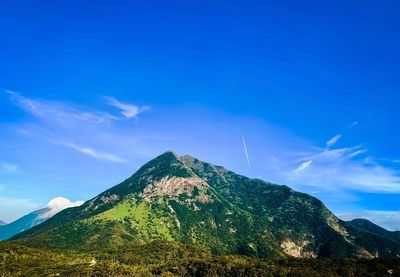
{"x": 185, "y": 200}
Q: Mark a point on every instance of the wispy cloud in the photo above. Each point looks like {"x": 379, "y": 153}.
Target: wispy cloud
{"x": 333, "y": 141}
{"x": 303, "y": 166}
{"x": 53, "y": 110}
{"x": 282, "y": 157}
{"x": 341, "y": 169}
{"x": 355, "y": 123}
{"x": 127, "y": 110}
{"x": 8, "y": 167}
{"x": 89, "y": 131}
{"x": 387, "y": 219}
{"x": 357, "y": 153}
{"x": 94, "y": 153}
{"x": 25, "y": 103}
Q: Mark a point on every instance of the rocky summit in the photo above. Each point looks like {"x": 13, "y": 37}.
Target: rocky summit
{"x": 185, "y": 200}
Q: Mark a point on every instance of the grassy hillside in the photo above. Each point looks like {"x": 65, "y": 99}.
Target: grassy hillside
{"x": 184, "y": 200}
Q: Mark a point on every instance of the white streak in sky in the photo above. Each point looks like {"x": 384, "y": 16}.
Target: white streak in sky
{"x": 245, "y": 150}
{"x": 333, "y": 141}
{"x": 303, "y": 166}
{"x": 355, "y": 123}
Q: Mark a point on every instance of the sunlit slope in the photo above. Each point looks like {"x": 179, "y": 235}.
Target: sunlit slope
{"x": 185, "y": 200}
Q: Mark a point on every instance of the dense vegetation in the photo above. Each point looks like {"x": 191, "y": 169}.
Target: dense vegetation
{"x": 171, "y": 259}
{"x": 184, "y": 200}
{"x": 177, "y": 216}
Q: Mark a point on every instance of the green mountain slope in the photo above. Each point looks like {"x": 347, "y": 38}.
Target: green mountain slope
{"x": 185, "y": 200}
{"x": 368, "y": 226}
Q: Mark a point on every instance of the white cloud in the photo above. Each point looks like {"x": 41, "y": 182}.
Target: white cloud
{"x": 13, "y": 208}
{"x": 27, "y": 104}
{"x": 58, "y": 204}
{"x": 127, "y": 110}
{"x": 335, "y": 154}
{"x": 89, "y": 131}
{"x": 323, "y": 154}
{"x": 333, "y": 141}
{"x": 8, "y": 167}
{"x": 355, "y": 123}
{"x": 101, "y": 156}
{"x": 357, "y": 153}
{"x": 340, "y": 169}
{"x": 374, "y": 178}
{"x": 94, "y": 117}
{"x": 53, "y": 110}
{"x": 303, "y": 166}
{"x": 387, "y": 219}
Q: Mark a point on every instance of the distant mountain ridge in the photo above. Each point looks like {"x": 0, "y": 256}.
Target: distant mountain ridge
{"x": 34, "y": 218}
{"x": 185, "y": 200}
{"x": 2, "y": 223}
{"x": 24, "y": 223}
{"x": 370, "y": 227}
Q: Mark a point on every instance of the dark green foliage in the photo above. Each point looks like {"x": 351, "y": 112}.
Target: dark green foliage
{"x": 230, "y": 214}
{"x": 378, "y": 241}
{"x": 171, "y": 259}
{"x": 368, "y": 226}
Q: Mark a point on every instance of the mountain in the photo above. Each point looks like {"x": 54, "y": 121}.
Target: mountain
{"x": 185, "y": 200}
{"x": 368, "y": 226}
{"x": 24, "y": 223}
{"x": 34, "y": 218}
{"x": 2, "y": 223}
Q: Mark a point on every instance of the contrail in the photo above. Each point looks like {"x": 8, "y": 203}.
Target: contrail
{"x": 245, "y": 150}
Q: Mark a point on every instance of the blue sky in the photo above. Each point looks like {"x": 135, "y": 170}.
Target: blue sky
{"x": 90, "y": 91}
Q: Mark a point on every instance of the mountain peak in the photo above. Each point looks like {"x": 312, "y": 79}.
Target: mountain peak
{"x": 186, "y": 200}
{"x": 165, "y": 164}
{"x": 168, "y": 154}
{"x": 188, "y": 159}
{"x": 166, "y": 160}
{"x": 153, "y": 176}
{"x": 169, "y": 176}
